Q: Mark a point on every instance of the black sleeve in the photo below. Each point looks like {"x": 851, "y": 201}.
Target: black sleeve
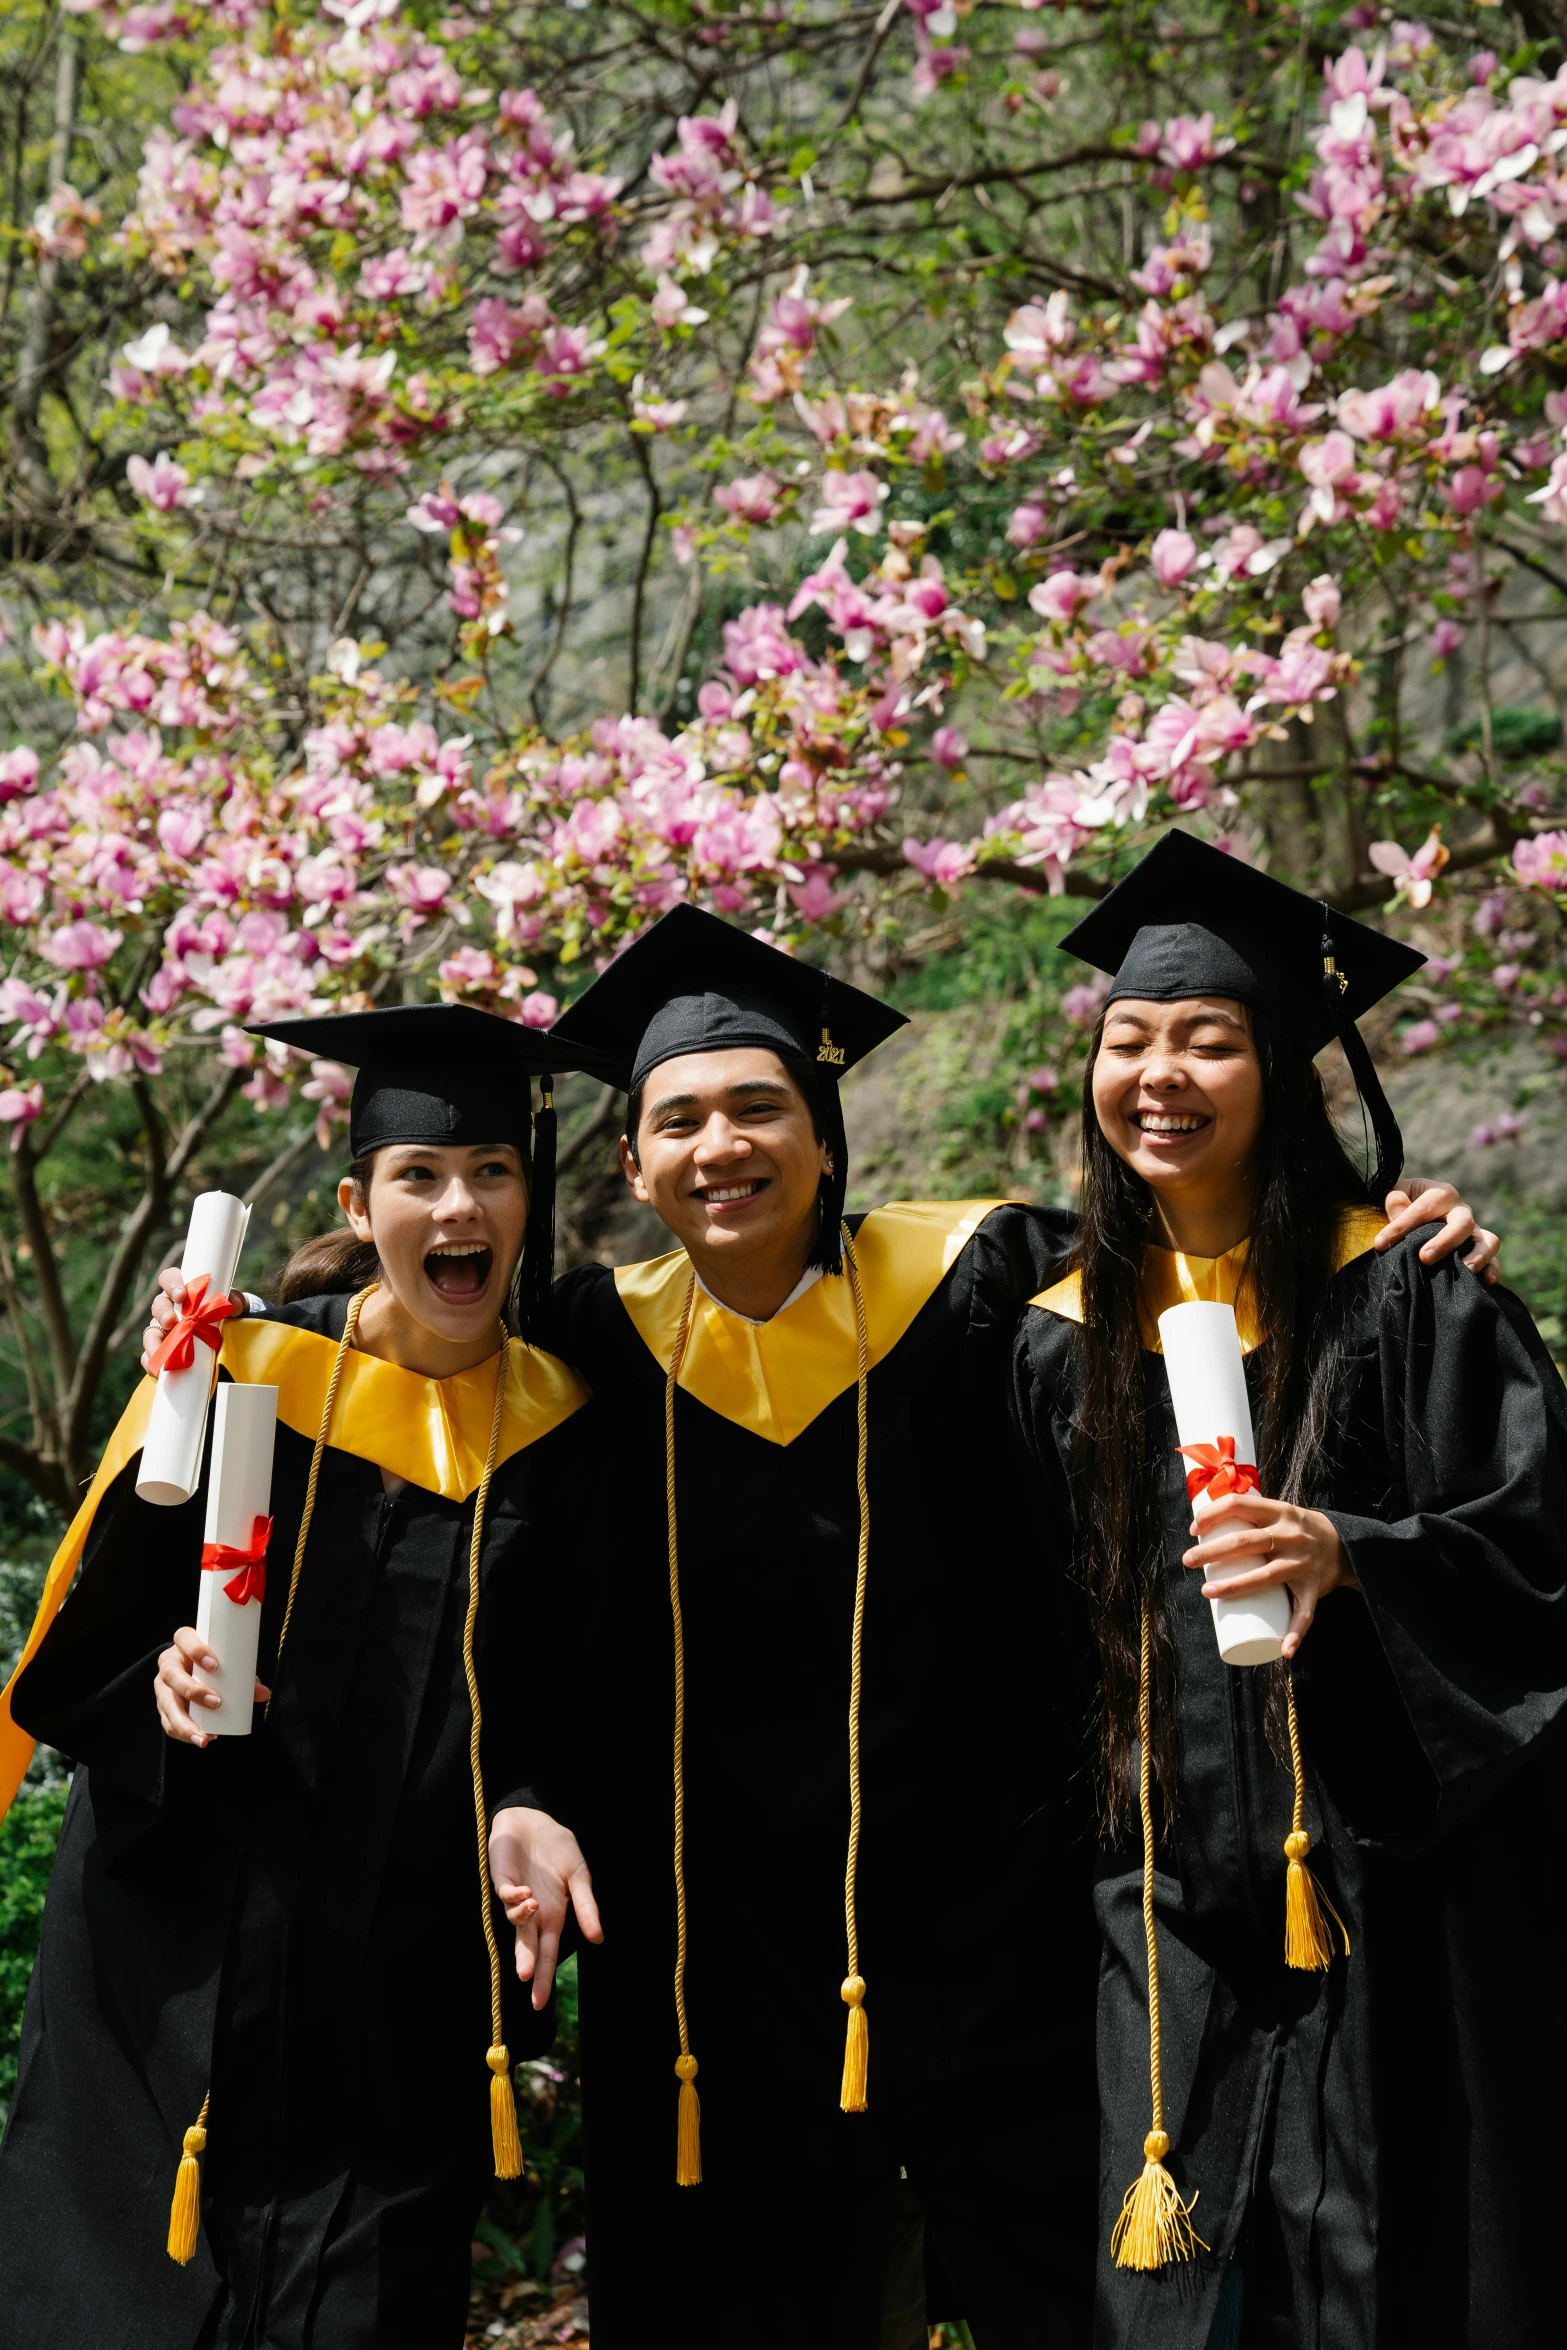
{"x": 1464, "y": 1569}
{"x": 1011, "y": 1258}
{"x": 542, "y": 1629}
{"x": 89, "y": 1689}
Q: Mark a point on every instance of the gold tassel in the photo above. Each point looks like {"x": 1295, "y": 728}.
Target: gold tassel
{"x": 688, "y": 2127}
{"x": 185, "y": 2210}
{"x": 1307, "y": 1943}
{"x": 688, "y": 2121}
{"x": 1155, "y": 2225}
{"x": 503, "y": 2115}
{"x": 504, "y": 2137}
{"x": 856, "y": 2048}
{"x": 857, "y": 2041}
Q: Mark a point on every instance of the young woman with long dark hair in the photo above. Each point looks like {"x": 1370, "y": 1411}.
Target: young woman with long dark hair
{"x": 277, "y": 1951}
{"x": 1334, "y": 1896}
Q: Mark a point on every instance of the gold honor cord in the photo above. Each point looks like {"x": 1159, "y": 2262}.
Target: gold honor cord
{"x": 852, "y": 2098}
{"x": 1155, "y": 2225}
{"x": 344, "y": 1348}
{"x": 856, "y": 2052}
{"x": 688, "y": 2126}
{"x": 1307, "y": 1943}
{"x": 505, "y": 2142}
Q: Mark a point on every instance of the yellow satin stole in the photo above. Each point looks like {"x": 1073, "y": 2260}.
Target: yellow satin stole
{"x": 433, "y": 1432}
{"x": 776, "y": 1377}
{"x": 1171, "y": 1278}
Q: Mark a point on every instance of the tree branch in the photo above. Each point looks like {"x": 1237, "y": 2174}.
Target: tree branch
{"x": 76, "y": 1408}
{"x": 644, "y": 564}
{"x": 46, "y": 1273}
{"x": 38, "y": 1470}
{"x": 30, "y": 452}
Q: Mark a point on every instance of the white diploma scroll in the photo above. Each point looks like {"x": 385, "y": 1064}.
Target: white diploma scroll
{"x": 171, "y": 1455}
{"x": 1207, "y": 1375}
{"x": 233, "y": 1558}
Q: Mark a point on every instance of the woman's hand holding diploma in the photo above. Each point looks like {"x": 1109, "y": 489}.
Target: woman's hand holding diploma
{"x": 539, "y": 1873}
{"x": 165, "y": 1312}
{"x": 177, "y": 1688}
{"x": 1305, "y": 1553}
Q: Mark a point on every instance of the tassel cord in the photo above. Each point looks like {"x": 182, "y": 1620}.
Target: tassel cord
{"x": 185, "y": 2214}
{"x": 852, "y": 2098}
{"x": 503, "y": 2103}
{"x": 1308, "y": 1946}
{"x": 1150, "y": 1937}
{"x": 1155, "y": 2223}
{"x": 344, "y": 1347}
{"x": 688, "y": 2153}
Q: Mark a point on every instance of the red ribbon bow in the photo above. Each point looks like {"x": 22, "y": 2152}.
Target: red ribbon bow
{"x": 1218, "y": 1471}
{"x": 219, "y": 1558}
{"x": 200, "y": 1317}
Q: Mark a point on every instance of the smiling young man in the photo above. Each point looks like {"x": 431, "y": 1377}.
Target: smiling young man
{"x": 275, "y": 1949}
{"x": 848, "y": 1971}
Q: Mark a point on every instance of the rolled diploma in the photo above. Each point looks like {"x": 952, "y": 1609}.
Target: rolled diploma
{"x": 171, "y": 1455}
{"x": 244, "y": 1422}
{"x": 1207, "y": 1375}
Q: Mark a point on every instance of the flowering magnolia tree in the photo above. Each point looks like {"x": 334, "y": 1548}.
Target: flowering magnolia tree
{"x": 475, "y": 479}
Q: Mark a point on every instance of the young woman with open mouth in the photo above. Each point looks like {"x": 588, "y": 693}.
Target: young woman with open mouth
{"x": 279, "y": 1949}
{"x": 1334, "y": 1898}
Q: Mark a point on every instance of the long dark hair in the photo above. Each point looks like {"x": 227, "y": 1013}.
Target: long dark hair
{"x": 1304, "y": 1179}
{"x": 340, "y": 1263}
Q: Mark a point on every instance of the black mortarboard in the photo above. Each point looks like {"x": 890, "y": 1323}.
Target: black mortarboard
{"x": 449, "y": 1073}
{"x": 1191, "y": 920}
{"x": 695, "y": 984}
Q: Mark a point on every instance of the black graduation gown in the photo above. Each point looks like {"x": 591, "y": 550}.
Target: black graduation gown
{"x": 979, "y": 2088}
{"x": 292, "y": 1920}
{"x": 1377, "y": 2146}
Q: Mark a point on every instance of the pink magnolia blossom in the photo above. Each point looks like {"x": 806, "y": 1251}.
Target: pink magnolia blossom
{"x": 538, "y": 1010}
{"x": 1173, "y": 557}
{"x": 755, "y": 497}
{"x": 80, "y": 946}
{"x": 1541, "y": 862}
{"x": 850, "y": 501}
{"x": 1322, "y": 602}
{"x": 948, "y": 747}
{"x": 162, "y": 484}
{"x": 1062, "y": 596}
{"x": 19, "y": 1106}
{"x": 1028, "y": 523}
{"x": 941, "y": 861}
{"x": 1420, "y": 1036}
{"x": 1413, "y": 877}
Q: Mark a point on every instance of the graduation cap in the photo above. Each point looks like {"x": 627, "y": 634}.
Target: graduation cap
{"x": 1190, "y": 920}
{"x": 694, "y": 984}
{"x": 449, "y": 1073}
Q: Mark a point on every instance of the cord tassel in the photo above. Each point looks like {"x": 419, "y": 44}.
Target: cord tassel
{"x": 856, "y": 2048}
{"x": 185, "y": 2210}
{"x": 1155, "y": 2225}
{"x": 1308, "y": 1946}
{"x": 688, "y": 2119}
{"x": 688, "y": 2125}
{"x": 857, "y": 2043}
{"x": 504, "y": 2137}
